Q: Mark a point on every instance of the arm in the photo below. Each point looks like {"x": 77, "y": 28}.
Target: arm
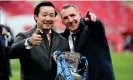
{"x": 105, "y": 57}
{"x": 99, "y": 37}
{"x": 18, "y": 47}
{"x": 97, "y": 30}
{"x": 96, "y": 27}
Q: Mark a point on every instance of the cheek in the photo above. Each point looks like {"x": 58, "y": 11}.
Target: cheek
{"x": 53, "y": 20}
{"x": 64, "y": 22}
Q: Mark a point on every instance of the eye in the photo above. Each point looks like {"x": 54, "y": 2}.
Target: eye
{"x": 64, "y": 18}
{"x": 44, "y": 15}
{"x": 52, "y": 15}
{"x": 72, "y": 15}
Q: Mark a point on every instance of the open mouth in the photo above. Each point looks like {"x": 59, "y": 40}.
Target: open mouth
{"x": 48, "y": 22}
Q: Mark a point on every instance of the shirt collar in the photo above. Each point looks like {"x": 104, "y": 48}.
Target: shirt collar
{"x": 49, "y": 32}
{"x": 71, "y": 33}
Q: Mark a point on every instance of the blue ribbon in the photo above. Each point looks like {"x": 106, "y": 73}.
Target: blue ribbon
{"x": 85, "y": 73}
{"x": 62, "y": 68}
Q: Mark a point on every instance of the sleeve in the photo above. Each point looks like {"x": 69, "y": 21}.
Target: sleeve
{"x": 97, "y": 30}
{"x": 105, "y": 57}
{"x": 18, "y": 48}
{"x": 27, "y": 46}
{"x": 99, "y": 37}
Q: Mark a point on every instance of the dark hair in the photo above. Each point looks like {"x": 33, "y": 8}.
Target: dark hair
{"x": 44, "y": 3}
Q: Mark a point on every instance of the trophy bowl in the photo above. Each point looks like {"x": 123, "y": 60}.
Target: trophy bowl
{"x": 72, "y": 59}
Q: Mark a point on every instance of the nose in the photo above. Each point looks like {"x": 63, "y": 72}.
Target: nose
{"x": 70, "y": 19}
{"x": 48, "y": 19}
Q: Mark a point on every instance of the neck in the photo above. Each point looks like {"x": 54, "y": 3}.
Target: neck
{"x": 75, "y": 31}
{"x": 46, "y": 30}
{"x": 43, "y": 30}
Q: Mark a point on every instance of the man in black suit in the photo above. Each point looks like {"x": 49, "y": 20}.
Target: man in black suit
{"x": 87, "y": 36}
{"x": 4, "y": 62}
{"x": 35, "y": 48}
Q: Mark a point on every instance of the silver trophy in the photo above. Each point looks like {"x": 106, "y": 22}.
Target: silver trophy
{"x": 72, "y": 59}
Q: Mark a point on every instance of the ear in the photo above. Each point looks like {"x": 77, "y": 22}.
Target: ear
{"x": 35, "y": 17}
{"x": 62, "y": 21}
{"x": 79, "y": 14}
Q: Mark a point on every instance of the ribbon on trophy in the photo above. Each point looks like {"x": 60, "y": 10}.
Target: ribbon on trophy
{"x": 67, "y": 66}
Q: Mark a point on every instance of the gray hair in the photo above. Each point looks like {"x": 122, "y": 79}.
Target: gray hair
{"x": 68, "y": 6}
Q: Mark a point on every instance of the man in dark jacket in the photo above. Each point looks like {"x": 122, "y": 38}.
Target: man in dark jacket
{"x": 4, "y": 62}
{"x": 7, "y": 35}
{"x": 35, "y": 47}
{"x": 88, "y": 38}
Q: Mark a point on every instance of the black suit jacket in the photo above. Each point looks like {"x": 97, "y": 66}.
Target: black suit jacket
{"x": 92, "y": 43}
{"x": 37, "y": 63}
{"x": 4, "y": 63}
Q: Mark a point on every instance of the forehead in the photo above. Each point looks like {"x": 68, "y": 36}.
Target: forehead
{"x": 68, "y": 11}
{"x": 48, "y": 9}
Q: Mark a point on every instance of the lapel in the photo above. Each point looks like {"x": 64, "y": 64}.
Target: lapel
{"x": 55, "y": 41}
{"x": 82, "y": 38}
{"x": 44, "y": 43}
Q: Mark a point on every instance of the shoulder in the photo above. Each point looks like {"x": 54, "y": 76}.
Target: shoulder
{"x": 60, "y": 35}
{"x": 26, "y": 34}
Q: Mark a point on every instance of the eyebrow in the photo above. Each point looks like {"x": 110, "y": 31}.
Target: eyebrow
{"x": 46, "y": 12}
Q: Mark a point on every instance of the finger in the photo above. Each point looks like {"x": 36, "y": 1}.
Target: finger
{"x": 88, "y": 15}
{"x": 38, "y": 36}
{"x": 37, "y": 42}
{"x": 38, "y": 39}
{"x": 93, "y": 17}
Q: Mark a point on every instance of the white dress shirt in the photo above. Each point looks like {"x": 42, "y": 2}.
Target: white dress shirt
{"x": 71, "y": 43}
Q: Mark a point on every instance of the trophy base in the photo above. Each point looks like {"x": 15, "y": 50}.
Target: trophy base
{"x": 76, "y": 77}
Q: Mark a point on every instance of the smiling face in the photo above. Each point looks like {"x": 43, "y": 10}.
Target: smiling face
{"x": 45, "y": 18}
{"x": 70, "y": 18}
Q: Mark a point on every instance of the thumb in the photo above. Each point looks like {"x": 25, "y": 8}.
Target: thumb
{"x": 36, "y": 31}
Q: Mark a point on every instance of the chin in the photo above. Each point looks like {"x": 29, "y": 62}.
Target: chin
{"x": 73, "y": 29}
{"x": 48, "y": 28}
